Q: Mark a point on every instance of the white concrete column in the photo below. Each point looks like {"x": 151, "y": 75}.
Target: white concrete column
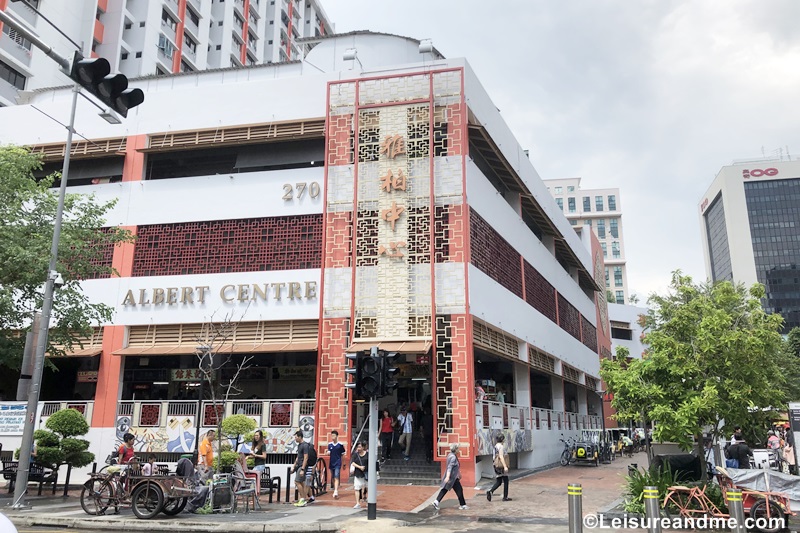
{"x": 557, "y": 387}
{"x": 582, "y": 407}
{"x": 522, "y": 385}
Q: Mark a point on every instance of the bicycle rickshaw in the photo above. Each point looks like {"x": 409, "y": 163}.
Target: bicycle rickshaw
{"x": 692, "y": 502}
{"x": 587, "y": 448}
{"x": 147, "y": 495}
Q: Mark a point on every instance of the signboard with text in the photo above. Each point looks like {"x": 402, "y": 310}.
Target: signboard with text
{"x": 12, "y": 418}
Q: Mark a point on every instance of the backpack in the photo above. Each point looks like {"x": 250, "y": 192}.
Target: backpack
{"x": 113, "y": 457}
{"x": 312, "y": 456}
{"x": 727, "y": 450}
{"x": 732, "y": 463}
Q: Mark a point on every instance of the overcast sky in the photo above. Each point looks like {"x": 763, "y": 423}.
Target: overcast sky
{"x": 653, "y": 97}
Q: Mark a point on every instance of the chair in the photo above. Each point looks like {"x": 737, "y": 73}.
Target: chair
{"x": 270, "y": 485}
{"x": 244, "y": 487}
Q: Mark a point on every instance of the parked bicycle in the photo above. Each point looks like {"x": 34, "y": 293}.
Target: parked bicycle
{"x": 569, "y": 450}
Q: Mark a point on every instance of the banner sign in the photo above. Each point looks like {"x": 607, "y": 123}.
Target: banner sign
{"x": 185, "y": 374}
{"x": 12, "y": 418}
{"x": 87, "y": 376}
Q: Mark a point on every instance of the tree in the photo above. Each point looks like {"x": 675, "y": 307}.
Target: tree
{"x": 610, "y": 297}
{"x": 633, "y": 298}
{"x": 235, "y": 427}
{"x": 27, "y": 213}
{"x": 213, "y": 356}
{"x": 59, "y": 445}
{"x": 789, "y": 361}
{"x": 712, "y": 356}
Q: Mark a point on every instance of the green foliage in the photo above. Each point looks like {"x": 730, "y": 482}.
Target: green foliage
{"x": 27, "y": 213}
{"x": 789, "y": 360}
{"x": 59, "y": 445}
{"x": 67, "y": 423}
{"x": 237, "y": 425}
{"x": 712, "y": 355}
{"x": 50, "y": 456}
{"x": 610, "y": 297}
{"x": 639, "y": 479}
{"x": 45, "y": 438}
{"x": 251, "y": 462}
{"x": 226, "y": 458}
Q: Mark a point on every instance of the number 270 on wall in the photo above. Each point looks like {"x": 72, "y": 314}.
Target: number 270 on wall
{"x": 289, "y": 194}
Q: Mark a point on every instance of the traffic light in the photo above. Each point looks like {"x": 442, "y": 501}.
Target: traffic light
{"x": 112, "y": 89}
{"x": 370, "y": 376}
{"x": 352, "y": 369}
{"x": 388, "y": 381}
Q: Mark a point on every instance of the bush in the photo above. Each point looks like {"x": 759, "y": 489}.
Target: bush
{"x": 226, "y": 459}
{"x": 237, "y": 426}
{"x": 639, "y": 479}
{"x": 45, "y": 438}
{"x": 58, "y": 445}
{"x": 67, "y": 423}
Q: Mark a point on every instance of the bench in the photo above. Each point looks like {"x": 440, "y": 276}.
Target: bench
{"x": 37, "y": 474}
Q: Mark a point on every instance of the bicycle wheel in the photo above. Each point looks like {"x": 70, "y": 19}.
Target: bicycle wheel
{"x": 175, "y": 506}
{"x": 147, "y": 500}
{"x": 96, "y": 496}
{"x": 565, "y": 457}
{"x": 680, "y": 503}
{"x": 321, "y": 477}
{"x": 768, "y": 520}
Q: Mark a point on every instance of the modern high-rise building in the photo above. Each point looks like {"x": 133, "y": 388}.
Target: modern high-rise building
{"x": 750, "y": 218}
{"x": 154, "y": 37}
{"x": 601, "y": 210}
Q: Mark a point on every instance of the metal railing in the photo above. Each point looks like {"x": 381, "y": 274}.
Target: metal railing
{"x": 494, "y": 415}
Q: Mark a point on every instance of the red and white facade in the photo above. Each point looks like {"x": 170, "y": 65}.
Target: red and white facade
{"x": 396, "y": 209}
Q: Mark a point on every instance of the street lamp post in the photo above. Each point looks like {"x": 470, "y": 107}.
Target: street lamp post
{"x": 112, "y": 90}
{"x": 52, "y": 276}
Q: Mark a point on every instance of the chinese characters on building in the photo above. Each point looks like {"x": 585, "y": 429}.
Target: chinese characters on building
{"x": 393, "y": 180}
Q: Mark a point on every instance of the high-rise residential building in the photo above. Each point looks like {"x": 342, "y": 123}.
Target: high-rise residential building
{"x": 750, "y": 219}
{"x": 600, "y": 209}
{"x": 154, "y": 37}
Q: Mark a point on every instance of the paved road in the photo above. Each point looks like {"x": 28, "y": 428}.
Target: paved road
{"x": 539, "y": 504}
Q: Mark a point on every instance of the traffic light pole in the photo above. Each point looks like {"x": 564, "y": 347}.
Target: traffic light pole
{"x": 372, "y": 481}
{"x": 44, "y": 324}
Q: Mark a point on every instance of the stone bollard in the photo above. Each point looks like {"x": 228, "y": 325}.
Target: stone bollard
{"x": 652, "y": 509}
{"x": 736, "y": 508}
{"x": 575, "y": 501}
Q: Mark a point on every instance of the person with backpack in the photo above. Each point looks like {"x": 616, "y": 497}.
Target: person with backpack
{"x": 738, "y": 455}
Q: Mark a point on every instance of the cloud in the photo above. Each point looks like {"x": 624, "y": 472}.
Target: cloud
{"x": 653, "y": 97}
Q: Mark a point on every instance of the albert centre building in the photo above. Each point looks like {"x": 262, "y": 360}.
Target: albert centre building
{"x": 368, "y": 195}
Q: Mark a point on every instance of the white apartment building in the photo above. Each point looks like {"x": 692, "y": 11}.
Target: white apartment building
{"x": 147, "y": 37}
{"x": 626, "y": 328}
{"x": 600, "y": 209}
{"x": 750, "y": 220}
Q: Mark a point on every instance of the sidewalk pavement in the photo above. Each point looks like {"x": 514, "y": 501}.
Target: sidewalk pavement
{"x": 539, "y": 499}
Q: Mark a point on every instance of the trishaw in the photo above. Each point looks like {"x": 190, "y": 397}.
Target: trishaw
{"x": 769, "y": 508}
{"x": 587, "y": 447}
{"x": 147, "y": 495}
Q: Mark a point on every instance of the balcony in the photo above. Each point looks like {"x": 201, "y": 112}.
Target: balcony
{"x": 193, "y": 29}
{"x": 167, "y": 30}
{"x": 172, "y": 8}
{"x": 8, "y": 91}
{"x": 191, "y": 55}
{"x": 165, "y": 56}
{"x": 23, "y": 12}
{"x": 195, "y": 4}
{"x": 15, "y": 46}
{"x": 99, "y": 30}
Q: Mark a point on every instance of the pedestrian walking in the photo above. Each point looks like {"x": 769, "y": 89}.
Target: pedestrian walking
{"x": 500, "y": 469}
{"x": 406, "y": 421}
{"x": 452, "y": 479}
{"x": 301, "y": 468}
{"x": 358, "y": 469}
{"x": 336, "y": 451}
{"x": 387, "y": 434}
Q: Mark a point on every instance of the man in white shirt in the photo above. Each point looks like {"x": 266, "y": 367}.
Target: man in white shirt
{"x": 406, "y": 421}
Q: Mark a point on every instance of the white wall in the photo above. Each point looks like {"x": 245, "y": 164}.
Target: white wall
{"x": 237, "y": 196}
{"x": 496, "y": 305}
{"x": 491, "y": 205}
{"x": 630, "y": 315}
{"x": 220, "y": 297}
